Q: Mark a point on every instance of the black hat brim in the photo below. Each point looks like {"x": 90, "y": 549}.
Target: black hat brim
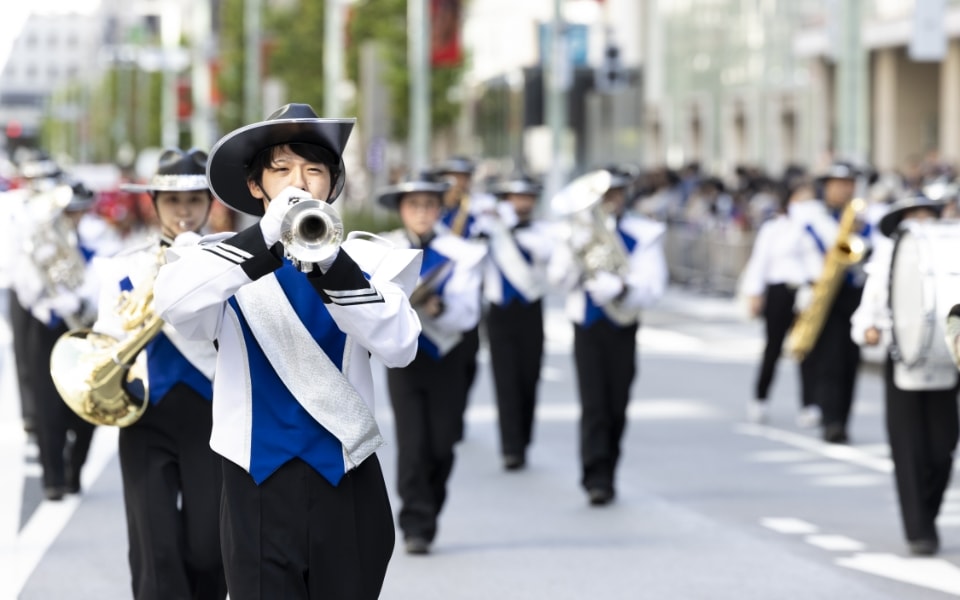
{"x": 390, "y": 197}
{"x": 891, "y": 221}
{"x": 232, "y": 155}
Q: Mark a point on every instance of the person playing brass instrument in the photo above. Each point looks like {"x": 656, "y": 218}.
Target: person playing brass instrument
{"x": 829, "y": 369}
{"x": 304, "y": 511}
{"x": 430, "y": 394}
{"x": 604, "y": 301}
{"x": 514, "y": 286}
{"x": 171, "y": 477}
{"x": 920, "y": 399}
{"x": 54, "y": 291}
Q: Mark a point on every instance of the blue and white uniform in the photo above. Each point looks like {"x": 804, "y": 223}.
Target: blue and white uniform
{"x": 294, "y": 350}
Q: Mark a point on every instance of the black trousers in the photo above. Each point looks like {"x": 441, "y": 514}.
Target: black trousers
{"x": 923, "y": 429}
{"x": 778, "y": 316}
{"x": 605, "y": 356}
{"x": 20, "y": 331}
{"x": 834, "y": 361}
{"x": 63, "y": 438}
{"x": 515, "y": 335}
{"x": 296, "y": 536}
{"x": 427, "y": 397}
{"x": 171, "y": 491}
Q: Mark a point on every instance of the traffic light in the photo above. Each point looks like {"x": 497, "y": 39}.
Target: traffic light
{"x": 611, "y": 75}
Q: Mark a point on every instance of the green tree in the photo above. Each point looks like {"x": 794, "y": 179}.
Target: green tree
{"x": 385, "y": 21}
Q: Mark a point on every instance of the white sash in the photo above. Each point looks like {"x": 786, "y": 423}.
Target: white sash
{"x": 323, "y": 391}
{"x": 514, "y": 266}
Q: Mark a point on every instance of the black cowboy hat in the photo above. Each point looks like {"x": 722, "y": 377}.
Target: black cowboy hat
{"x": 620, "y": 176}
{"x": 178, "y": 171}
{"x": 839, "y": 169}
{"x": 83, "y": 197}
{"x": 290, "y": 124}
{"x": 518, "y": 184}
{"x": 890, "y": 222}
{"x": 390, "y": 197}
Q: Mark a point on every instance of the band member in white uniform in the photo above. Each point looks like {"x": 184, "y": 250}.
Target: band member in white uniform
{"x": 830, "y": 368}
{"x": 429, "y": 395}
{"x": 304, "y": 511}
{"x": 920, "y": 401}
{"x": 52, "y": 281}
{"x": 514, "y": 286}
{"x": 171, "y": 477}
{"x": 605, "y": 309}
{"x": 770, "y": 281}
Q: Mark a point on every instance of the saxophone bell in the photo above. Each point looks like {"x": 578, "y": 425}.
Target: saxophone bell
{"x": 311, "y": 232}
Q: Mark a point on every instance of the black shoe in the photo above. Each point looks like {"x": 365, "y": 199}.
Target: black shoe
{"x": 927, "y": 547}
{"x": 513, "y": 462}
{"x": 53, "y": 492}
{"x": 416, "y": 545}
{"x": 835, "y": 434}
{"x": 600, "y": 496}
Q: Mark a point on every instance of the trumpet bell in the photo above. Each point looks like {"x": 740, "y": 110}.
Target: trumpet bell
{"x": 311, "y": 232}
{"x": 99, "y": 391}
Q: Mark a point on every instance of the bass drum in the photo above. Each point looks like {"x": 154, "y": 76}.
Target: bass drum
{"x": 924, "y": 284}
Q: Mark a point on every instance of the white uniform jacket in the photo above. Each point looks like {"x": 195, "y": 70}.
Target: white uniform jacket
{"x": 452, "y": 268}
{"x": 874, "y": 311}
{"x": 776, "y": 257}
{"x": 644, "y": 283}
{"x": 821, "y": 229}
{"x": 293, "y": 375}
{"x": 171, "y": 358}
{"x": 516, "y": 266}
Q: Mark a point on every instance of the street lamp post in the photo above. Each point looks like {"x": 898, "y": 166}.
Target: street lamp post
{"x": 556, "y": 100}
{"x": 251, "y": 80}
{"x": 418, "y": 51}
{"x": 332, "y": 58}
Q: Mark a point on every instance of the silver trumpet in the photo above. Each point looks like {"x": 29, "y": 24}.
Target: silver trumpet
{"x": 311, "y": 232}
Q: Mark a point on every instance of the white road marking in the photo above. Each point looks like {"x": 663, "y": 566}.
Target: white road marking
{"x": 852, "y": 480}
{"x": 835, "y": 543}
{"x": 849, "y": 454}
{"x": 780, "y": 456}
{"x": 820, "y": 468}
{"x": 789, "y": 525}
{"x": 933, "y": 573}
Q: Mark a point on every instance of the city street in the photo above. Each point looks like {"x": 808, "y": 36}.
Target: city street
{"x": 707, "y": 507}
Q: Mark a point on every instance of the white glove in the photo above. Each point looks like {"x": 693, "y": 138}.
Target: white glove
{"x": 63, "y": 305}
{"x": 579, "y": 237}
{"x": 276, "y": 210}
{"x": 603, "y": 287}
{"x": 187, "y": 238}
{"x": 508, "y": 216}
{"x": 485, "y": 223}
{"x": 804, "y": 298}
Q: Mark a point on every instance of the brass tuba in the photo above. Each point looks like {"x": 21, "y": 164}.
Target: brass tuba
{"x": 102, "y": 379}
{"x": 848, "y": 249}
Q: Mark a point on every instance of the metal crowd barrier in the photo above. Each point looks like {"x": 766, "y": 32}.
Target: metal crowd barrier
{"x": 707, "y": 258}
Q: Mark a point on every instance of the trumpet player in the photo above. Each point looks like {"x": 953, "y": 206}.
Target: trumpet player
{"x": 920, "y": 399}
{"x": 171, "y": 477}
{"x": 514, "y": 286}
{"x": 304, "y": 511}
{"x": 55, "y": 292}
{"x": 604, "y": 301}
{"x": 429, "y": 395}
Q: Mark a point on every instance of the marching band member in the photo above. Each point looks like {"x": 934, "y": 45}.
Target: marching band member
{"x": 461, "y": 206}
{"x": 171, "y": 477}
{"x": 429, "y": 395}
{"x": 605, "y": 309}
{"x": 304, "y": 511}
{"x": 770, "y": 281}
{"x": 514, "y": 286}
{"x": 832, "y": 364}
{"x": 53, "y": 285}
{"x": 920, "y": 402}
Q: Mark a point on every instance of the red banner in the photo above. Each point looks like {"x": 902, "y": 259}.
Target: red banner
{"x": 445, "y": 21}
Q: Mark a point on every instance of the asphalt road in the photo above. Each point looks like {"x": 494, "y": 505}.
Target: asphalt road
{"x": 708, "y": 507}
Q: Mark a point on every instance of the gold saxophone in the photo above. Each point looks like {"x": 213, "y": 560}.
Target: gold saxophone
{"x": 848, "y": 249}
{"x": 103, "y": 379}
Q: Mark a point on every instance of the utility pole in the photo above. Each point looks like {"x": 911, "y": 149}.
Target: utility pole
{"x": 170, "y": 43}
{"x": 202, "y": 125}
{"x": 556, "y": 109}
{"x": 332, "y": 58}
{"x": 851, "y": 88}
{"x": 252, "y": 112}
{"x": 418, "y": 52}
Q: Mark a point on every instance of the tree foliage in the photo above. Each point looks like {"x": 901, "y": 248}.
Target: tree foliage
{"x": 385, "y": 21}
